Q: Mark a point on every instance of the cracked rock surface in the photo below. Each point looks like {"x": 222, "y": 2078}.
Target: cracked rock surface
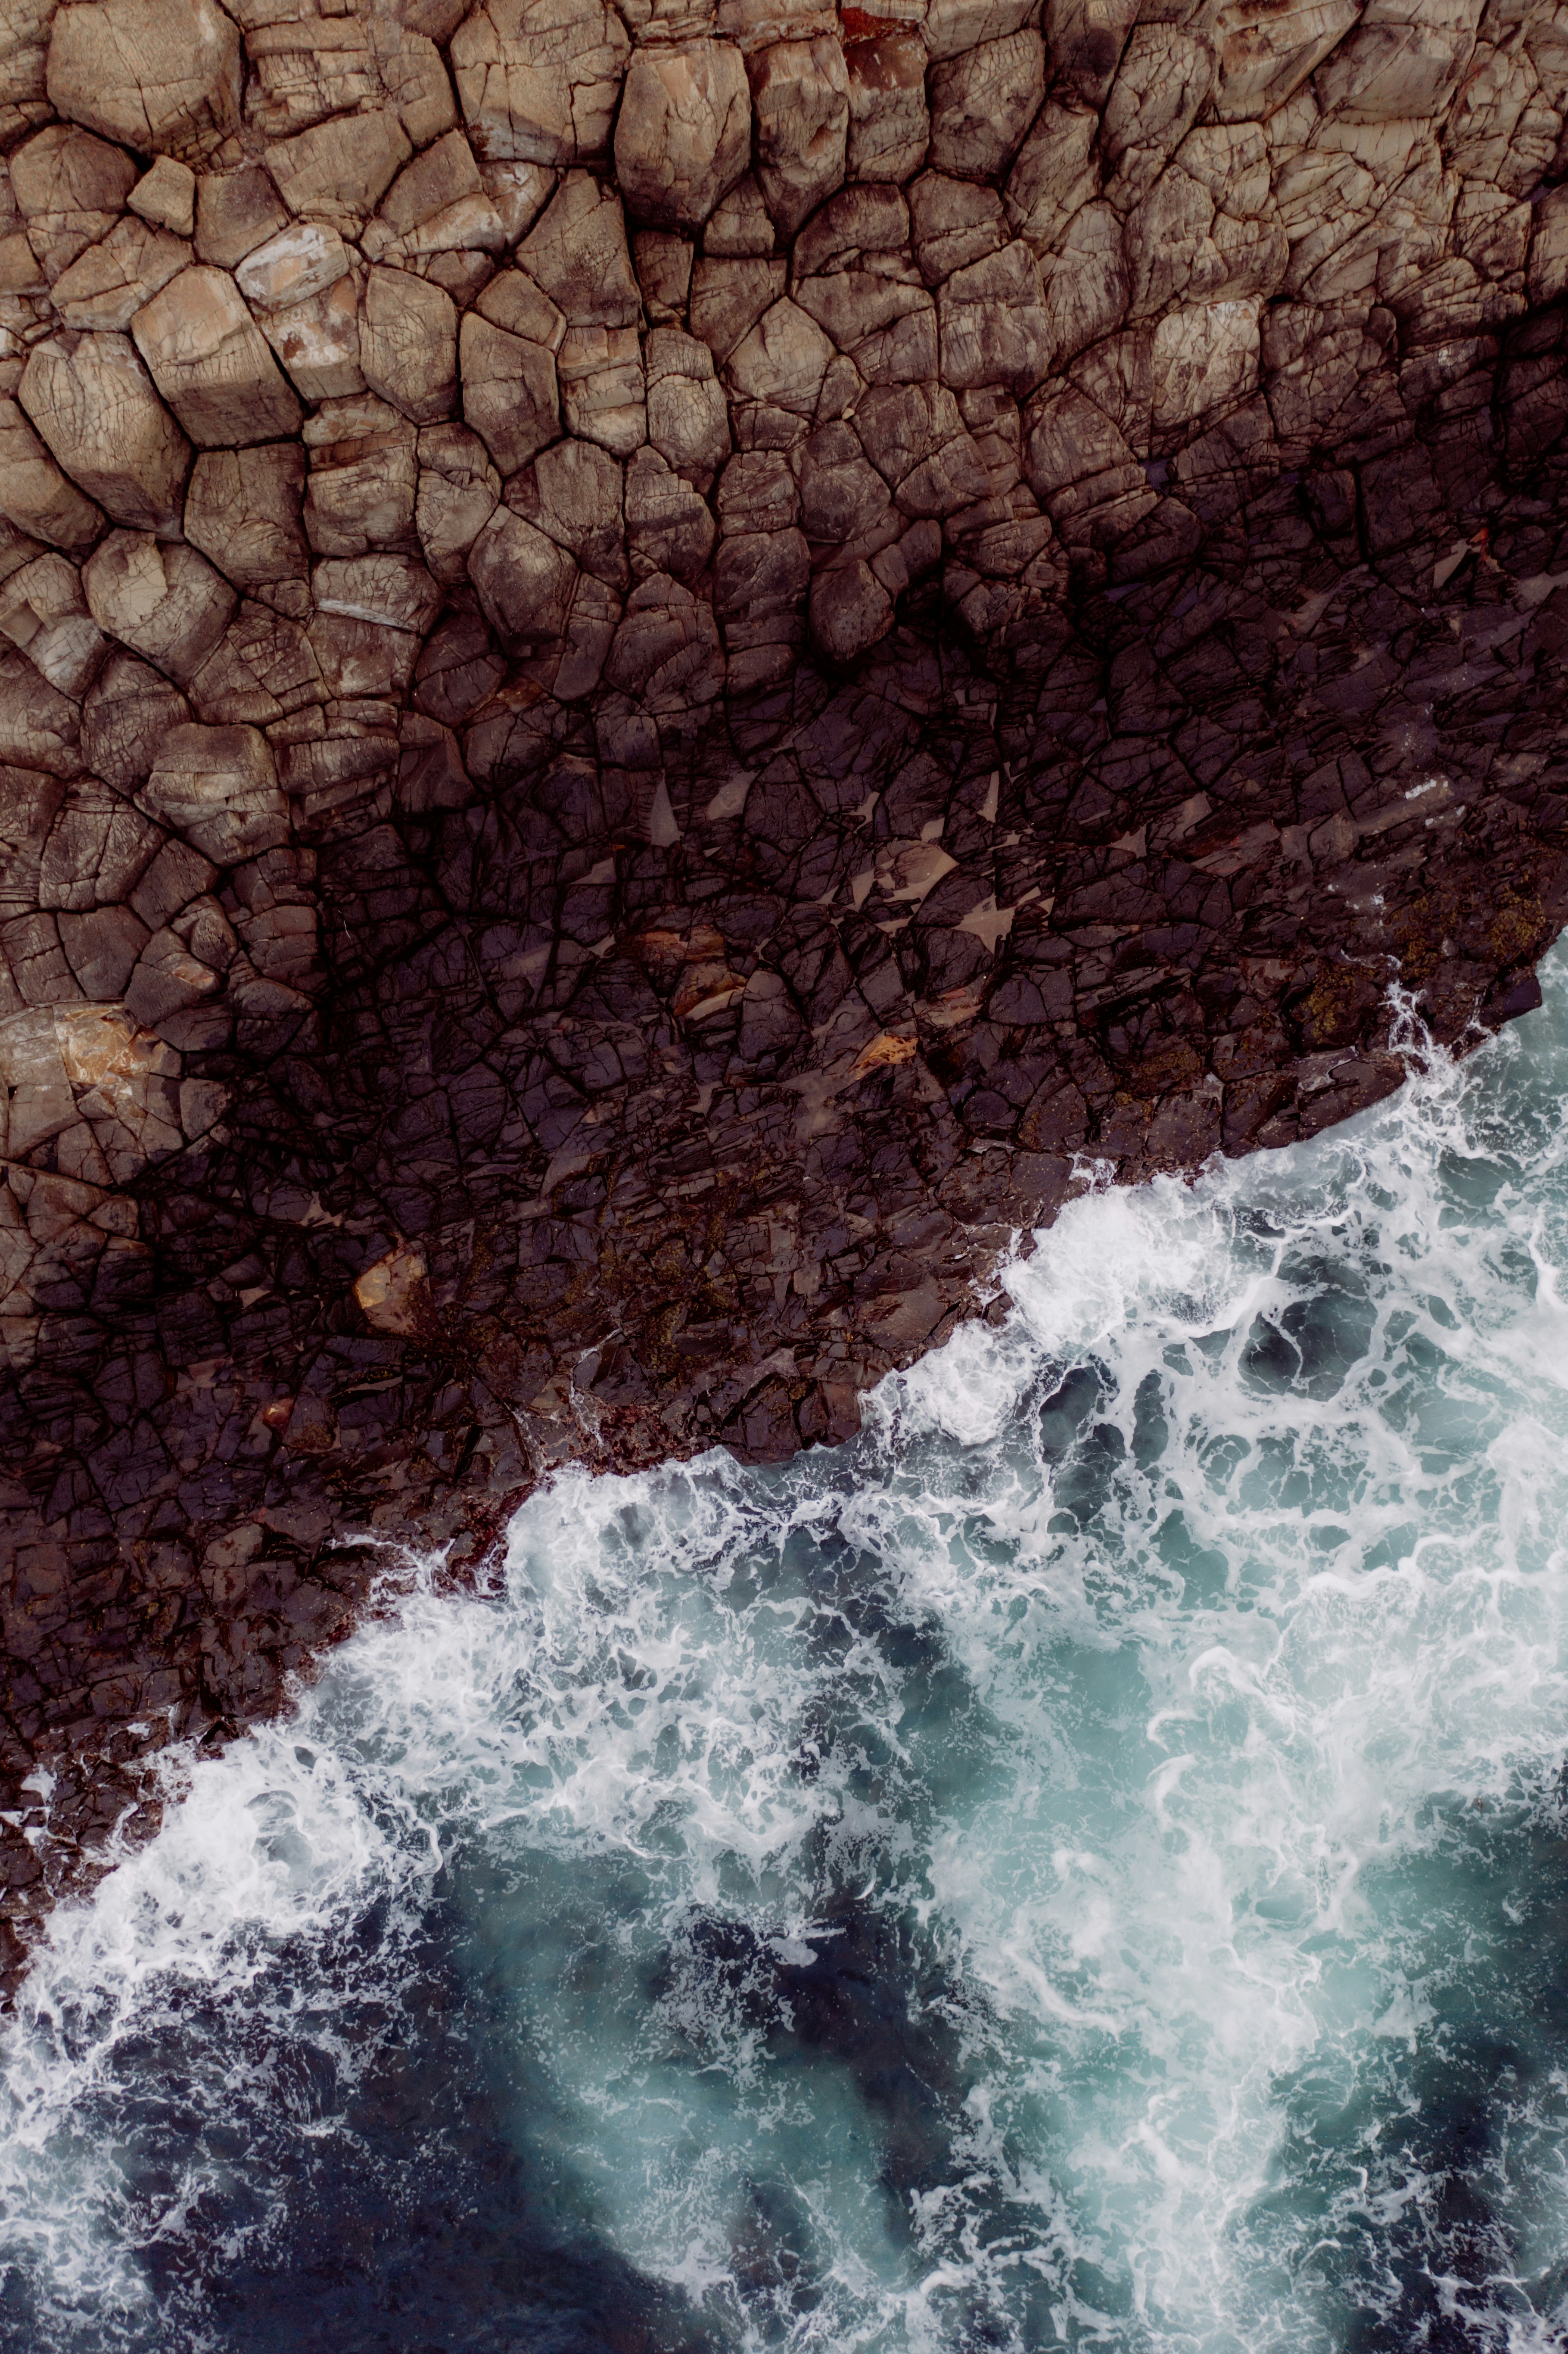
{"x": 662, "y": 662}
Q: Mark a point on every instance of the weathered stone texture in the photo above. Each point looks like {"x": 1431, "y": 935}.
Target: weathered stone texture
{"x": 662, "y": 667}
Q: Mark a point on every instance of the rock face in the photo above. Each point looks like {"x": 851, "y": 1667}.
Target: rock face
{"x": 662, "y": 666}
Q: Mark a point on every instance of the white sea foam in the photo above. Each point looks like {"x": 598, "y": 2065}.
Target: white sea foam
{"x": 1173, "y": 1678}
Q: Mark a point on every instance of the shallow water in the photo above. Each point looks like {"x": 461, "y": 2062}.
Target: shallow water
{"x": 1085, "y": 1866}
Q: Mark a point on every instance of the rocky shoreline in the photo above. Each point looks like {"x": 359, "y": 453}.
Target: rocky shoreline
{"x": 662, "y": 663}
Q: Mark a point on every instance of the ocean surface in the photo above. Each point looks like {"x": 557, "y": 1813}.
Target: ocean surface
{"x": 1085, "y": 1866}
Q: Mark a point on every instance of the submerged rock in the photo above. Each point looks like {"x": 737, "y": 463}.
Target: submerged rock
{"x": 661, "y": 671}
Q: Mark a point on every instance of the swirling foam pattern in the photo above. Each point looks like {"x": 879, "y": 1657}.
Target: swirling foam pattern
{"x": 1083, "y": 1865}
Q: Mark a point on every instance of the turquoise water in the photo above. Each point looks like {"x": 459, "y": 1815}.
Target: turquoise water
{"x": 1085, "y": 1866}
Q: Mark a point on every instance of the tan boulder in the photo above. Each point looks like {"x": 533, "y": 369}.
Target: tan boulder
{"x": 995, "y": 328}
{"x": 850, "y": 609}
{"x": 339, "y": 171}
{"x": 262, "y": 668}
{"x": 572, "y": 493}
{"x": 538, "y": 81}
{"x": 243, "y": 511}
{"x": 93, "y": 403}
{"x": 161, "y": 76}
{"x": 394, "y": 1295}
{"x": 799, "y": 94}
{"x": 39, "y": 727}
{"x": 69, "y": 188}
{"x": 578, "y": 252}
{"x": 728, "y": 297}
{"x": 393, "y": 590}
{"x": 24, "y": 50}
{"x": 443, "y": 176}
{"x": 44, "y": 613}
{"x": 407, "y": 345}
{"x": 165, "y": 601}
{"x": 1165, "y": 75}
{"x": 34, "y": 493}
{"x": 126, "y": 718}
{"x": 1404, "y": 58}
{"x": 166, "y": 197}
{"x": 1266, "y": 52}
{"x": 210, "y": 361}
{"x": 299, "y": 261}
{"x": 219, "y": 787}
{"x": 1203, "y": 357}
{"x": 108, "y": 285}
{"x": 666, "y": 649}
{"x": 317, "y": 340}
{"x": 236, "y": 212}
{"x": 683, "y": 137}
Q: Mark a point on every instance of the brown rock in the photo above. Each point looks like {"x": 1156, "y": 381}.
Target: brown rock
{"x": 407, "y": 345}
{"x": 219, "y": 787}
{"x": 509, "y": 395}
{"x": 683, "y": 137}
{"x": 982, "y": 103}
{"x": 850, "y": 610}
{"x": 68, "y": 187}
{"x": 236, "y": 211}
{"x": 391, "y": 590}
{"x": 364, "y": 477}
{"x": 890, "y": 128}
{"x": 44, "y": 613}
{"x": 457, "y": 492}
{"x": 93, "y": 403}
{"x": 538, "y": 81}
{"x": 164, "y": 601}
{"x": 108, "y": 285}
{"x": 524, "y": 581}
{"x": 318, "y": 340}
{"x": 161, "y": 76}
{"x": 799, "y": 94}
{"x": 34, "y": 493}
{"x": 669, "y": 528}
{"x": 243, "y": 511}
{"x": 688, "y": 420}
{"x": 210, "y": 361}
{"x": 337, "y": 172}
{"x": 166, "y": 197}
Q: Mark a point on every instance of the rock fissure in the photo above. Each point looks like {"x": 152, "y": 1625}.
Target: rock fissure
{"x": 662, "y": 665}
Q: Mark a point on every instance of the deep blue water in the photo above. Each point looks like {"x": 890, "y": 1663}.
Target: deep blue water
{"x": 1085, "y": 1866}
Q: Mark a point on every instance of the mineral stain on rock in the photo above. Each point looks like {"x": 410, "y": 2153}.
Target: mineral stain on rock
{"x": 662, "y": 663}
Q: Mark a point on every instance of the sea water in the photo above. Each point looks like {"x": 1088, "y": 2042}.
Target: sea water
{"x": 1083, "y": 1866}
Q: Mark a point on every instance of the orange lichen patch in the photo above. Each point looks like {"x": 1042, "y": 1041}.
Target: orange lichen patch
{"x": 884, "y": 1053}
{"x": 394, "y": 1295}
